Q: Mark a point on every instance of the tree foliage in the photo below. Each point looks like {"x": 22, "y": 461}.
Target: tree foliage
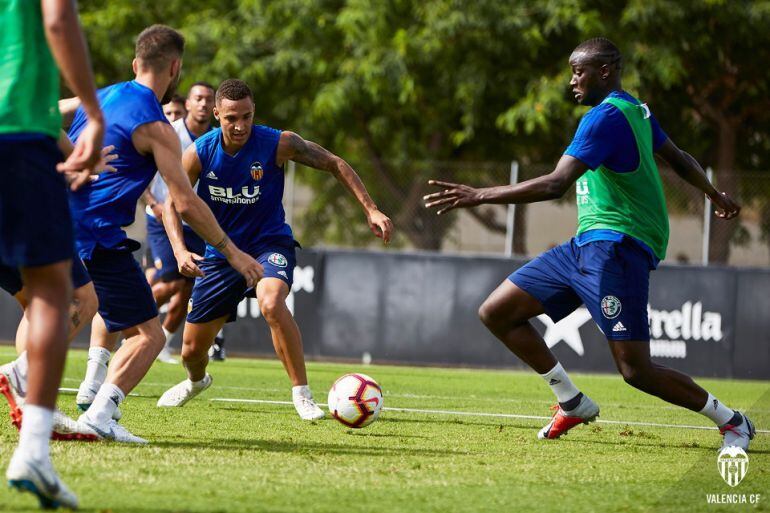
{"x": 399, "y": 86}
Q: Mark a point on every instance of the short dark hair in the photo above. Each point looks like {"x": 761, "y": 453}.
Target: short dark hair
{"x": 158, "y": 45}
{"x": 177, "y": 99}
{"x": 234, "y": 90}
{"x": 201, "y": 84}
{"x": 601, "y": 50}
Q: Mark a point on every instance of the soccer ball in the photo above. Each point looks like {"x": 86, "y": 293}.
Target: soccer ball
{"x": 355, "y": 400}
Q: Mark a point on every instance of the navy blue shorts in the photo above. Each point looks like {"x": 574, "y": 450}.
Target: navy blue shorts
{"x": 35, "y": 222}
{"x": 10, "y": 277}
{"x": 162, "y": 252}
{"x": 611, "y": 278}
{"x": 125, "y": 297}
{"x": 218, "y": 293}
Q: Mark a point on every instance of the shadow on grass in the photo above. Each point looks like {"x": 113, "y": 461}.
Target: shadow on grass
{"x": 298, "y": 447}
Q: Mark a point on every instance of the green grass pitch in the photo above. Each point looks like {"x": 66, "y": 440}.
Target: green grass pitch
{"x": 216, "y": 456}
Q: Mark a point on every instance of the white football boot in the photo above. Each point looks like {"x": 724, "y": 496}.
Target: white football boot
{"x": 562, "y": 421}
{"x": 179, "y": 394}
{"x": 86, "y": 393}
{"x": 305, "y": 405}
{"x": 39, "y": 478}
{"x": 112, "y": 431}
{"x": 165, "y": 356}
{"x": 738, "y": 436}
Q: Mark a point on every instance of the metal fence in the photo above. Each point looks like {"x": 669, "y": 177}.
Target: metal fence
{"x": 322, "y": 215}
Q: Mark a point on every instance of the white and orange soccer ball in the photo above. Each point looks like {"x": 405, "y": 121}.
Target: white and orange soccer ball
{"x": 355, "y": 400}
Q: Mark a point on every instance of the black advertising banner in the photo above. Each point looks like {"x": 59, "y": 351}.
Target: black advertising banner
{"x": 422, "y": 308}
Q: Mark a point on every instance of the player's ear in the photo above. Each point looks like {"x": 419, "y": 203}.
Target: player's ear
{"x": 135, "y": 66}
{"x": 216, "y": 113}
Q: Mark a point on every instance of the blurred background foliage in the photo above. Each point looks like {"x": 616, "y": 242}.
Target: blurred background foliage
{"x": 411, "y": 89}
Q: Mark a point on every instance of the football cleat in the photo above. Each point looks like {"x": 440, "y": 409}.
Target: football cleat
{"x": 217, "y": 351}
{"x": 179, "y": 394}
{"x": 67, "y": 428}
{"x": 561, "y": 422}
{"x": 738, "y": 435}
{"x": 165, "y": 356}
{"x": 39, "y": 478}
{"x": 112, "y": 431}
{"x": 306, "y": 407}
{"x": 86, "y": 395}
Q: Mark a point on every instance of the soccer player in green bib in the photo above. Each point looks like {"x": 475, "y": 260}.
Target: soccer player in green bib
{"x": 36, "y": 234}
{"x": 622, "y": 235}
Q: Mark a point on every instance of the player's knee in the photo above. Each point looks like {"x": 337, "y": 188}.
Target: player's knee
{"x": 86, "y": 303}
{"x": 493, "y": 316}
{"x": 635, "y": 375}
{"x": 272, "y": 306}
{"x": 194, "y": 350}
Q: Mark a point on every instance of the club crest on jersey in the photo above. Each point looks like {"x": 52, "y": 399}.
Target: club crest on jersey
{"x": 611, "y": 307}
{"x": 256, "y": 171}
{"x": 277, "y": 260}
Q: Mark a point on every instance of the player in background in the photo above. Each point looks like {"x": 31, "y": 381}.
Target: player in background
{"x": 622, "y": 235}
{"x": 144, "y": 142}
{"x": 169, "y": 286}
{"x": 82, "y": 309}
{"x": 35, "y": 220}
{"x": 175, "y": 109}
{"x": 239, "y": 172}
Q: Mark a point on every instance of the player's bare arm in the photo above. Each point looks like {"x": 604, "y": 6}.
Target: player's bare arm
{"x": 691, "y": 171}
{"x": 293, "y": 147}
{"x": 186, "y": 260}
{"x": 69, "y": 49}
{"x": 161, "y": 141}
{"x": 547, "y": 187}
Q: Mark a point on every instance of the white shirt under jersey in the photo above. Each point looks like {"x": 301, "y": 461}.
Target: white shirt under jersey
{"x": 158, "y": 187}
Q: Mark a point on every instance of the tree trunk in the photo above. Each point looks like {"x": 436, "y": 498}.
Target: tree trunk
{"x": 520, "y": 230}
{"x": 726, "y": 181}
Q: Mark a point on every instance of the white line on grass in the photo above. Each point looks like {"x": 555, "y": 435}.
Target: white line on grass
{"x": 485, "y": 414}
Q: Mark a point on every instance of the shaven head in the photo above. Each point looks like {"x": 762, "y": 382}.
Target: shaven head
{"x": 599, "y": 51}
{"x": 596, "y": 65}
{"x": 234, "y": 108}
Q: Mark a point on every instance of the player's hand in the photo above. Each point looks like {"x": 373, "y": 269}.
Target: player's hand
{"x": 245, "y": 264}
{"x": 454, "y": 195}
{"x": 87, "y": 153}
{"x": 188, "y": 264}
{"x": 77, "y": 179}
{"x": 726, "y": 207}
{"x": 380, "y": 224}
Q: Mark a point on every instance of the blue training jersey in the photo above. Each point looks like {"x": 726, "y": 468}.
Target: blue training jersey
{"x": 102, "y": 208}
{"x": 245, "y": 190}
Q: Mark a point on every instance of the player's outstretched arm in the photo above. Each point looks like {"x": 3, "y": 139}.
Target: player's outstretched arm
{"x": 543, "y": 188}
{"x": 293, "y": 147}
{"x": 691, "y": 171}
{"x": 69, "y": 49}
{"x": 160, "y": 140}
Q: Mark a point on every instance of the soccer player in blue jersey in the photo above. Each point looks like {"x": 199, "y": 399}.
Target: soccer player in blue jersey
{"x": 622, "y": 236}
{"x": 239, "y": 172}
{"x": 39, "y": 36}
{"x": 145, "y": 142}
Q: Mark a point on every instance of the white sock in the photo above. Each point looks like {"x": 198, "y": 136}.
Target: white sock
{"x": 36, "y": 431}
{"x": 201, "y": 383}
{"x": 560, "y": 383}
{"x": 301, "y": 391}
{"x": 106, "y": 401}
{"x": 716, "y": 411}
{"x": 169, "y": 335}
{"x": 96, "y": 368}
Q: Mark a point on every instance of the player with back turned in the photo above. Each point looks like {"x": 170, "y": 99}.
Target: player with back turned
{"x": 239, "y": 172}
{"x": 622, "y": 235}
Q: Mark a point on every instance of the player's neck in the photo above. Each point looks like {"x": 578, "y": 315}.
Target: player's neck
{"x": 158, "y": 85}
{"x": 230, "y": 147}
{"x": 198, "y": 129}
